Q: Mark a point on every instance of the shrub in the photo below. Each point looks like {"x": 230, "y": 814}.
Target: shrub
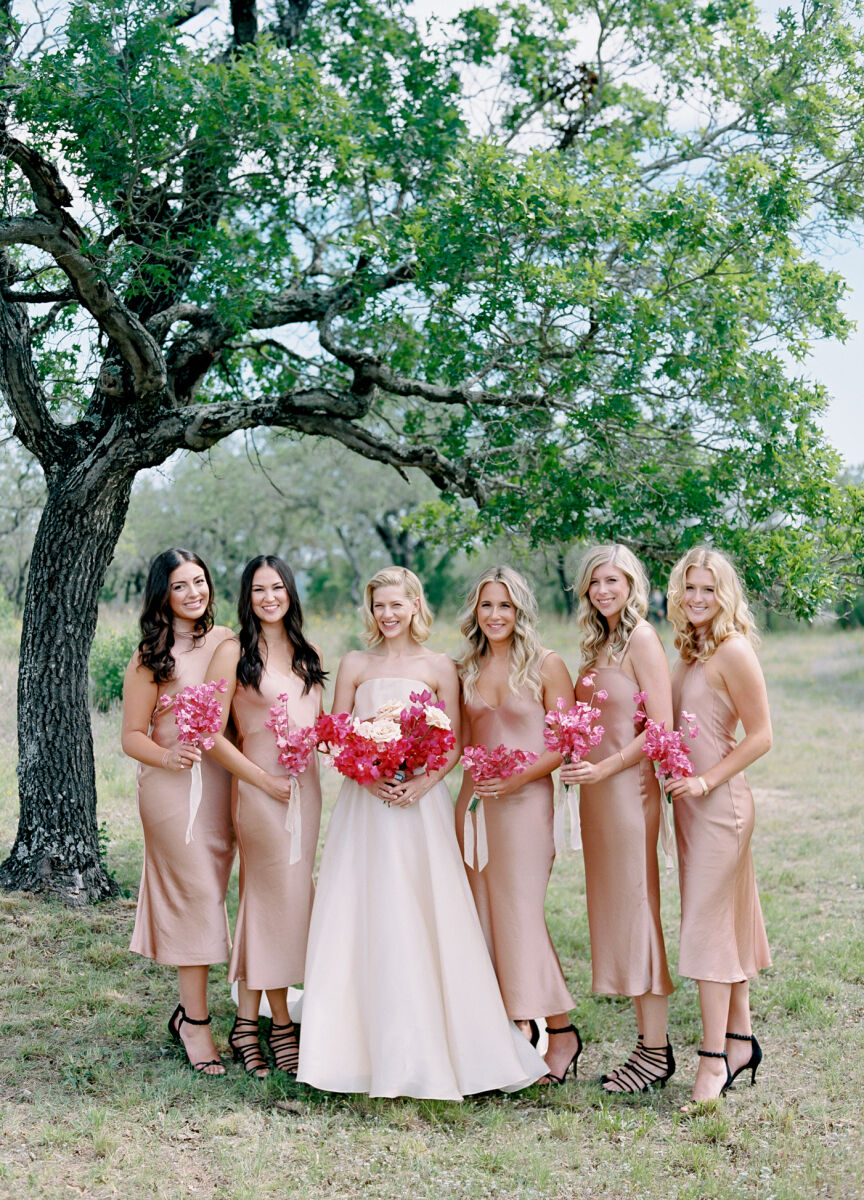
{"x": 108, "y": 658}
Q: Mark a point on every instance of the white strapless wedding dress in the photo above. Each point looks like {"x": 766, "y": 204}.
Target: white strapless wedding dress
{"x": 400, "y": 998}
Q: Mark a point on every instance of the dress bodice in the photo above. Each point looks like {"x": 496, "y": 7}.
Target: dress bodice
{"x": 191, "y": 660}
{"x": 717, "y": 720}
{"x": 252, "y": 711}
{"x": 517, "y": 722}
{"x": 370, "y": 694}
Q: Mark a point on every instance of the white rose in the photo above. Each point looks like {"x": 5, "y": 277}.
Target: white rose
{"x": 386, "y": 730}
{"x": 436, "y": 717}
{"x": 392, "y": 709}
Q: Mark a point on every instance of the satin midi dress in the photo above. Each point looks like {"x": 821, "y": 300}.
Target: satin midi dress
{"x": 620, "y": 822}
{"x": 400, "y": 997}
{"x": 723, "y": 937}
{"x": 275, "y": 895}
{"x": 181, "y": 919}
{"x": 510, "y": 891}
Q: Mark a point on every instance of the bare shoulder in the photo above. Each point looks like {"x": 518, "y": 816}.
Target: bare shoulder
{"x": 736, "y": 653}
{"x": 645, "y": 644}
{"x": 354, "y": 664}
{"x": 443, "y": 666}
{"x": 228, "y": 650}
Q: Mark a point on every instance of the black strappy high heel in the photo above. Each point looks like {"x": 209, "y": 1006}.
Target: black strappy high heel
{"x": 648, "y": 1068}
{"x": 174, "y": 1025}
{"x": 755, "y": 1058}
{"x": 284, "y": 1046}
{"x": 248, "y": 1051}
{"x": 717, "y": 1054}
{"x": 640, "y": 1042}
{"x": 557, "y": 1080}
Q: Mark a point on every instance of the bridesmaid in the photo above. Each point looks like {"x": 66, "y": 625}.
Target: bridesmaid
{"x": 181, "y": 918}
{"x": 508, "y": 683}
{"x": 619, "y": 806}
{"x": 271, "y": 658}
{"x": 719, "y": 681}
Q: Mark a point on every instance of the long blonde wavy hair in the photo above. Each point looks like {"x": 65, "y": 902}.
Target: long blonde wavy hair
{"x": 421, "y": 621}
{"x": 734, "y": 615}
{"x": 592, "y": 625}
{"x": 526, "y": 653}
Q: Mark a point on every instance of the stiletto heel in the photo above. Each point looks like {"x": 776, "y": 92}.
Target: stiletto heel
{"x": 284, "y": 1046}
{"x": 648, "y": 1068}
{"x": 248, "y": 1051}
{"x": 557, "y": 1080}
{"x": 174, "y": 1026}
{"x": 753, "y": 1062}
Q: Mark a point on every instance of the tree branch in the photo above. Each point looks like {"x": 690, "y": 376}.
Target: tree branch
{"x": 20, "y": 384}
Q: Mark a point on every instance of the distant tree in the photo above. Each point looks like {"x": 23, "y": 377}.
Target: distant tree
{"x": 570, "y": 304}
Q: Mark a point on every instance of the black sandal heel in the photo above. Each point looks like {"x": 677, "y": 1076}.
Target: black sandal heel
{"x": 752, "y": 1065}
{"x": 284, "y": 1046}
{"x": 557, "y": 1080}
{"x": 248, "y": 1051}
{"x": 174, "y": 1026}
{"x": 648, "y": 1068}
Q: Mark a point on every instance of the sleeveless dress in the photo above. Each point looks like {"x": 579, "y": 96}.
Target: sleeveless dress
{"x": 510, "y": 891}
{"x": 181, "y": 918}
{"x": 275, "y": 895}
{"x": 723, "y": 936}
{"x": 620, "y": 822}
{"x": 400, "y": 996}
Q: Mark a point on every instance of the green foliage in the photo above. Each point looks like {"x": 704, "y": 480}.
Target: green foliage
{"x": 614, "y": 246}
{"x": 109, "y": 658}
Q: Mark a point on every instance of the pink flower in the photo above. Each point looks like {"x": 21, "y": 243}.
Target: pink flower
{"x": 588, "y": 680}
{"x": 601, "y": 695}
{"x": 296, "y": 746}
{"x": 666, "y": 748}
{"x": 640, "y": 697}
{"x": 574, "y": 731}
{"x": 498, "y": 763}
{"x": 197, "y": 713}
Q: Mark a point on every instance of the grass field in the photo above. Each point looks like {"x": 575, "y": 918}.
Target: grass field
{"x": 95, "y": 1103}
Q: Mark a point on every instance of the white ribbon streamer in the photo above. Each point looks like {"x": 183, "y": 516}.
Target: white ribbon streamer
{"x": 294, "y": 823}
{"x": 468, "y": 837}
{"x": 667, "y": 833}
{"x": 194, "y": 798}
{"x": 567, "y": 805}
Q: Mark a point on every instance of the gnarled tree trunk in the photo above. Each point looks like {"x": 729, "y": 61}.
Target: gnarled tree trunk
{"x": 56, "y": 849}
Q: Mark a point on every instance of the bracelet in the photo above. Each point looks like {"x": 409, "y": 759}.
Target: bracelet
{"x": 705, "y": 787}
{"x": 165, "y": 758}
{"x": 621, "y": 756}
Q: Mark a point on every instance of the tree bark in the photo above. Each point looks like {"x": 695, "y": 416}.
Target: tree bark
{"x": 56, "y": 849}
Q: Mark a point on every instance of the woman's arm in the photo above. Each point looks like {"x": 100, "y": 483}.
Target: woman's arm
{"x": 651, "y": 668}
{"x": 556, "y": 684}
{"x": 223, "y": 665}
{"x": 739, "y": 672}
{"x": 140, "y": 698}
{"x": 346, "y": 682}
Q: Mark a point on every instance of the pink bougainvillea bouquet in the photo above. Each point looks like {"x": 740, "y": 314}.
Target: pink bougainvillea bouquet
{"x": 198, "y": 716}
{"x": 572, "y": 732}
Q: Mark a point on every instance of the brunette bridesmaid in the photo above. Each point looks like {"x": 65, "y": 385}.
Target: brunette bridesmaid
{"x": 508, "y": 683}
{"x": 620, "y": 806}
{"x": 271, "y": 663}
{"x": 719, "y": 681}
{"x": 181, "y": 918}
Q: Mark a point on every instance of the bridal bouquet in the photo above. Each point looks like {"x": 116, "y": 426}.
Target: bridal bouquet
{"x": 296, "y": 747}
{"x": 670, "y": 754}
{"x": 397, "y": 741}
{"x": 498, "y": 763}
{"x": 572, "y": 732}
{"x": 197, "y": 715}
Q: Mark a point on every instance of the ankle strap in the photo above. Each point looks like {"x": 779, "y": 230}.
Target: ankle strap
{"x": 185, "y": 1020}
{"x": 741, "y": 1037}
{"x": 244, "y": 1021}
{"x": 712, "y": 1053}
{"x": 561, "y": 1029}
{"x": 273, "y": 1025}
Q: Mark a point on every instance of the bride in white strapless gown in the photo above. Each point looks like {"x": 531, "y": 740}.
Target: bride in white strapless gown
{"x": 400, "y": 996}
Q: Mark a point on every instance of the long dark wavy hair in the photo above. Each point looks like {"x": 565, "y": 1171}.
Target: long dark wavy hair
{"x": 157, "y": 619}
{"x": 306, "y": 662}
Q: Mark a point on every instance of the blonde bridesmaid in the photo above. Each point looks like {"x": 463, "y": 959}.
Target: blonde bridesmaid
{"x": 181, "y": 918}
{"x": 509, "y": 681}
{"x": 620, "y": 806}
{"x": 720, "y": 682}
{"x": 270, "y": 659}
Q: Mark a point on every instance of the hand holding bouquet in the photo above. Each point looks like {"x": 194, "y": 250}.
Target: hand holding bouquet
{"x": 198, "y": 716}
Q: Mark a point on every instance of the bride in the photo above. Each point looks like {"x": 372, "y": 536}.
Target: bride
{"x": 400, "y": 997}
